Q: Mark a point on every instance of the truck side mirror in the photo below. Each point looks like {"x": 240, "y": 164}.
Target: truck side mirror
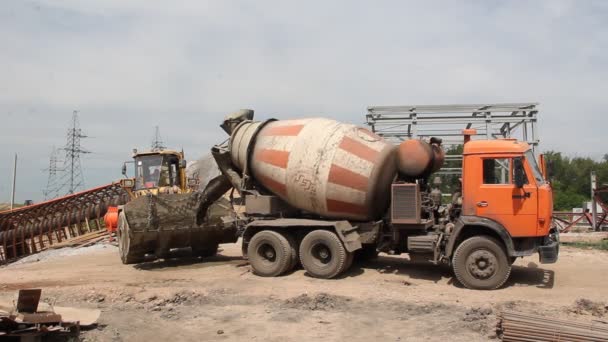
{"x": 124, "y": 169}
{"x": 519, "y": 175}
{"x": 183, "y": 163}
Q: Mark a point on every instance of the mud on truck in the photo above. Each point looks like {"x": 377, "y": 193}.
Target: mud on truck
{"x": 319, "y": 193}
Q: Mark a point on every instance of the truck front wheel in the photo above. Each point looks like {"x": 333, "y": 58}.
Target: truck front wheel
{"x": 269, "y": 254}
{"x": 481, "y": 263}
{"x": 323, "y": 255}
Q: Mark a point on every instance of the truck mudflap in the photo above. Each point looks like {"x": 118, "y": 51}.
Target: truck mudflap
{"x": 549, "y": 251}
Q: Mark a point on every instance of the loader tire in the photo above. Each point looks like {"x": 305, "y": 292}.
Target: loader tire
{"x": 481, "y": 263}
{"x": 269, "y": 253}
{"x": 128, "y": 253}
{"x": 323, "y": 255}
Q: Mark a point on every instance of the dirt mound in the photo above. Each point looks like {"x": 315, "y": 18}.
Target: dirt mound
{"x": 584, "y": 306}
{"x": 479, "y": 319}
{"x": 321, "y": 301}
{"x": 478, "y": 313}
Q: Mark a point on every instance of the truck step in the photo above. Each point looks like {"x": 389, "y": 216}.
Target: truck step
{"x": 422, "y": 244}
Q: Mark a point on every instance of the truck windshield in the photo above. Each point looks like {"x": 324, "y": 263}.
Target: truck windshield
{"x": 535, "y": 169}
{"x": 147, "y": 171}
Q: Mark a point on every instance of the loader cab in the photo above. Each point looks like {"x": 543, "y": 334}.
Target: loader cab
{"x": 503, "y": 182}
{"x": 160, "y": 170}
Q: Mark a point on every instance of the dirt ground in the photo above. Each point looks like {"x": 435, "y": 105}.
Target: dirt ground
{"x": 388, "y": 299}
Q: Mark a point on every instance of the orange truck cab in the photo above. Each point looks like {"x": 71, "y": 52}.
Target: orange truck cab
{"x": 504, "y": 192}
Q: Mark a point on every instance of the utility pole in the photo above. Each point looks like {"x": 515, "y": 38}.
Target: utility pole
{"x": 593, "y": 202}
{"x": 14, "y": 182}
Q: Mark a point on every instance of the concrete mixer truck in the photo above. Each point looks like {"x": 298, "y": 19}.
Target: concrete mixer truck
{"x": 321, "y": 193}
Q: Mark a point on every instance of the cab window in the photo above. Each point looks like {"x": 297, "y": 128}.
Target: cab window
{"x": 538, "y": 175}
{"x": 171, "y": 172}
{"x": 498, "y": 171}
{"x": 147, "y": 171}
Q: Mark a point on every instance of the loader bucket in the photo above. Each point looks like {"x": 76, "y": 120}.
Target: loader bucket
{"x": 155, "y": 224}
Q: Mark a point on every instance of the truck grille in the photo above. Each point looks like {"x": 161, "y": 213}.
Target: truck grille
{"x": 405, "y": 203}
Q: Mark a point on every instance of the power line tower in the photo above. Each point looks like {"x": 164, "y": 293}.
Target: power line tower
{"x": 73, "y": 178}
{"x": 157, "y": 141}
{"x": 52, "y": 185}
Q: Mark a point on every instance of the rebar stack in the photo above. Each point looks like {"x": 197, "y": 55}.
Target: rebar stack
{"x": 515, "y": 326}
{"x": 28, "y": 230}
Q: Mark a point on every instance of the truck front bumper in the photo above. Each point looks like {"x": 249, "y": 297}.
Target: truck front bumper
{"x": 549, "y": 251}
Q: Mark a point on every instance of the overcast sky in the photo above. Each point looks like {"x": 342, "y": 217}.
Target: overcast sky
{"x": 128, "y": 66}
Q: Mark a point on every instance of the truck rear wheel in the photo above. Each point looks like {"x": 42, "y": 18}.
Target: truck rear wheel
{"x": 481, "y": 263}
{"x": 293, "y": 244}
{"x": 269, "y": 254}
{"x": 128, "y": 253}
{"x": 323, "y": 255}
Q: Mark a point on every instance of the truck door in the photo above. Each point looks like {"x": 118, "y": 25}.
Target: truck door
{"x": 498, "y": 198}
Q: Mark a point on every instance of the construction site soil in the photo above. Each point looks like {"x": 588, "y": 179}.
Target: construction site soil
{"x": 218, "y": 298}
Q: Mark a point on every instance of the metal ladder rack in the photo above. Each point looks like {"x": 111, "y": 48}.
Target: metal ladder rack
{"x": 492, "y": 121}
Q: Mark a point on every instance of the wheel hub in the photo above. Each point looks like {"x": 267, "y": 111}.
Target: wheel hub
{"x": 482, "y": 264}
{"x": 267, "y": 252}
{"x": 324, "y": 253}
{"x": 321, "y": 253}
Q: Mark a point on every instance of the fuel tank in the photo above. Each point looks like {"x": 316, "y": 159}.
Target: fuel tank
{"x": 332, "y": 169}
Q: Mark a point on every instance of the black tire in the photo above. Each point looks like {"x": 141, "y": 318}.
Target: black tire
{"x": 481, "y": 263}
{"x": 350, "y": 257}
{"x": 206, "y": 252}
{"x": 129, "y": 254}
{"x": 293, "y": 244}
{"x": 366, "y": 253}
{"x": 269, "y": 253}
{"x": 323, "y": 255}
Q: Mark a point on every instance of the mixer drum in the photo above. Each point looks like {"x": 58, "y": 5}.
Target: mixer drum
{"x": 418, "y": 158}
{"x": 333, "y": 169}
